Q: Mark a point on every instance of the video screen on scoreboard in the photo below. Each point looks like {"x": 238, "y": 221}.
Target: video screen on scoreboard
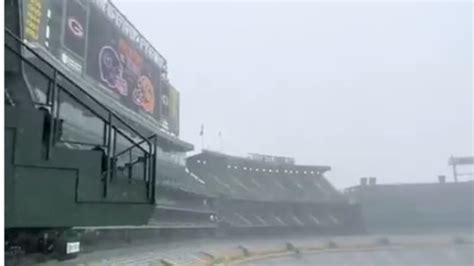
{"x": 115, "y": 60}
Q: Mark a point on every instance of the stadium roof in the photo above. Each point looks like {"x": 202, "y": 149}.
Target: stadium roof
{"x": 242, "y": 178}
{"x": 320, "y": 168}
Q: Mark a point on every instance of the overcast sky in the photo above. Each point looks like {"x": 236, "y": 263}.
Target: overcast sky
{"x": 371, "y": 89}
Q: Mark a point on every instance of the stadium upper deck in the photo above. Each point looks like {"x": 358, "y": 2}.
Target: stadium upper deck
{"x": 262, "y": 180}
{"x": 269, "y": 191}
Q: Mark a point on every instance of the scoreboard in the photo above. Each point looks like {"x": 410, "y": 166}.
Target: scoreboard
{"x": 93, "y": 39}
{"x": 33, "y": 19}
{"x": 281, "y": 160}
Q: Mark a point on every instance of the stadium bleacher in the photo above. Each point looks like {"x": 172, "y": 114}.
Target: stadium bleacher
{"x": 182, "y": 200}
{"x": 251, "y": 192}
{"x": 244, "y": 178}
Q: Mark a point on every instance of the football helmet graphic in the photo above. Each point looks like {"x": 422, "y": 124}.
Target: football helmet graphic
{"x": 111, "y": 70}
{"x": 144, "y": 94}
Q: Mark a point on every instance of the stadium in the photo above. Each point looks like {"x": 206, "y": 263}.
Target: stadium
{"x": 93, "y": 153}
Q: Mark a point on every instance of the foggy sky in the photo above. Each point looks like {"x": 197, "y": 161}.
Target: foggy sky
{"x": 371, "y": 89}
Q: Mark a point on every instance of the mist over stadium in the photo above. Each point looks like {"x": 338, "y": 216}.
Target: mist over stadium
{"x": 212, "y": 142}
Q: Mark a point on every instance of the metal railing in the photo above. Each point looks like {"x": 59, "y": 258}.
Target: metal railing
{"x": 8, "y": 98}
{"x": 58, "y": 84}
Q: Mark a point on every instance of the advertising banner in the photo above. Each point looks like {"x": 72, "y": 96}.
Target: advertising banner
{"x": 73, "y": 48}
{"x": 173, "y": 118}
{"x": 75, "y": 28}
{"x": 169, "y": 108}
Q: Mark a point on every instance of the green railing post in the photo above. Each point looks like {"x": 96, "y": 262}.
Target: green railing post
{"x": 52, "y": 114}
{"x": 146, "y": 178}
{"x": 104, "y": 136}
{"x": 109, "y": 150}
{"x": 129, "y": 165}
{"x": 153, "y": 172}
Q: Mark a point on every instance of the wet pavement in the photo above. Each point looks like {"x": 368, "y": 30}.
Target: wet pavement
{"x": 456, "y": 255}
{"x": 193, "y": 252}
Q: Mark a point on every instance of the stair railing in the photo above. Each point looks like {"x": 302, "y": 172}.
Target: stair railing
{"x": 56, "y": 86}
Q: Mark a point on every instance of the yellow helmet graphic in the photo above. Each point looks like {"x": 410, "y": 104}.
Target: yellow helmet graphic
{"x": 147, "y": 93}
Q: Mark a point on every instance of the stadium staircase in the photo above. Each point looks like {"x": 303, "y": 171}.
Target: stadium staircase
{"x": 50, "y": 184}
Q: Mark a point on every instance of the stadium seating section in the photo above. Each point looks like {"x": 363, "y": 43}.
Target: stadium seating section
{"x": 253, "y": 193}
